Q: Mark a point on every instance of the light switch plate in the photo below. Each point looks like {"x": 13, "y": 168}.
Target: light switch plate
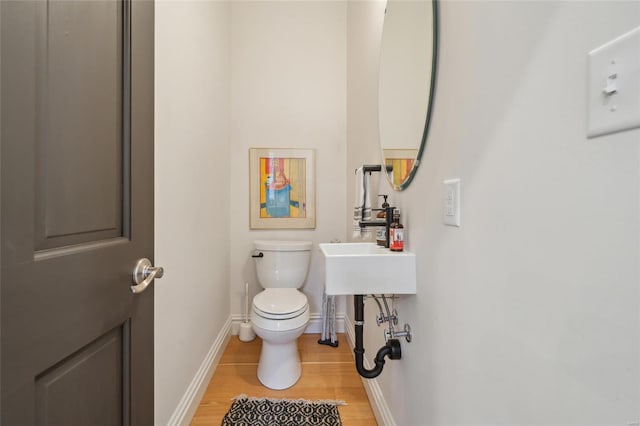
{"x": 451, "y": 202}
{"x": 614, "y": 86}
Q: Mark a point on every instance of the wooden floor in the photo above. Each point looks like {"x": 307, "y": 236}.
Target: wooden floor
{"x": 327, "y": 373}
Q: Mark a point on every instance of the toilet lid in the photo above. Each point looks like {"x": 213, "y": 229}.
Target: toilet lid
{"x": 280, "y": 303}
{"x": 268, "y": 245}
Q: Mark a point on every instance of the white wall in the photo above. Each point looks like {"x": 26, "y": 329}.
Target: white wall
{"x": 364, "y": 29}
{"x": 529, "y": 314}
{"x": 192, "y": 192}
{"x": 288, "y": 85}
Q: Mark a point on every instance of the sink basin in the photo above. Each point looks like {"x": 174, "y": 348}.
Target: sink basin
{"x": 366, "y": 268}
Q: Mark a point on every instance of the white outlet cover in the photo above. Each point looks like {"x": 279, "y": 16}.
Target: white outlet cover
{"x": 613, "y": 96}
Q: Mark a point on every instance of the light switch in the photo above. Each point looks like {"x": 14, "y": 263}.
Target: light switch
{"x": 451, "y": 206}
{"x": 611, "y": 87}
{"x": 614, "y": 85}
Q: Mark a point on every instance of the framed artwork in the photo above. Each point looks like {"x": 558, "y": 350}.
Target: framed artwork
{"x": 281, "y": 188}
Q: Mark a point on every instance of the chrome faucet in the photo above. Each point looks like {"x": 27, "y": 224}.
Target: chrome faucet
{"x": 386, "y": 223}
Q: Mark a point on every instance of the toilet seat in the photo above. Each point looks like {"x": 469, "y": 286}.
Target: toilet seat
{"x": 280, "y": 303}
{"x": 279, "y": 310}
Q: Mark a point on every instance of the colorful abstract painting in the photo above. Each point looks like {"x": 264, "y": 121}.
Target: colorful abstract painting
{"x": 281, "y": 188}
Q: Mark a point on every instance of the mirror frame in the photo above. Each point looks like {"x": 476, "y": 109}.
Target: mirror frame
{"x": 432, "y": 89}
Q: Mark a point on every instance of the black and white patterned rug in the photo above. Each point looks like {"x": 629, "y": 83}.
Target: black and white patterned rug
{"x": 247, "y": 411}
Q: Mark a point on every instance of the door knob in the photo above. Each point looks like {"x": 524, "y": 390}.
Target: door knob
{"x": 144, "y": 274}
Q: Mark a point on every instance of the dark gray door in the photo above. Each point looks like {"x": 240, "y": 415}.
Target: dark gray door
{"x": 77, "y": 212}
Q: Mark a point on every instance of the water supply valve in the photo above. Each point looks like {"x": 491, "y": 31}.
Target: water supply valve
{"x": 393, "y": 318}
{"x": 406, "y": 333}
{"x": 392, "y": 334}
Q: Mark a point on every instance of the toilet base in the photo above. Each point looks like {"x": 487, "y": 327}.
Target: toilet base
{"x": 279, "y": 366}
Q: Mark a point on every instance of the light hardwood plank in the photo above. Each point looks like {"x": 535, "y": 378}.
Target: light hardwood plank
{"x": 327, "y": 373}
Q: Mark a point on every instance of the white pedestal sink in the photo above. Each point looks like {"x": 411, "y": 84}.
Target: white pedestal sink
{"x": 366, "y": 268}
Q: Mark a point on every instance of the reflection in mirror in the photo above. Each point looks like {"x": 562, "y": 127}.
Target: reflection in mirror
{"x": 408, "y": 55}
{"x": 399, "y": 164}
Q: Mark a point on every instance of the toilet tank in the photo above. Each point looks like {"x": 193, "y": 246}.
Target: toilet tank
{"x": 283, "y": 264}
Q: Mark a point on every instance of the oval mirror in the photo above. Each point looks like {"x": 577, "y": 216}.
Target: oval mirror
{"x": 408, "y": 59}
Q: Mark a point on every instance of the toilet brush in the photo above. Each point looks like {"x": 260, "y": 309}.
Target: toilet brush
{"x": 246, "y": 333}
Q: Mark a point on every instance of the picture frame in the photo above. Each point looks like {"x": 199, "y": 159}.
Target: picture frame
{"x": 282, "y": 188}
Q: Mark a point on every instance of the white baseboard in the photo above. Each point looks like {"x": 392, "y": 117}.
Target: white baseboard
{"x": 315, "y": 323}
{"x": 188, "y": 405}
{"x": 378, "y": 403}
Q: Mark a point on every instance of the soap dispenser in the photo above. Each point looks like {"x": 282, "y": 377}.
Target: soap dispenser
{"x": 381, "y": 231}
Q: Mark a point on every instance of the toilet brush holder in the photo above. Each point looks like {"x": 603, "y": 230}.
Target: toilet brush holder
{"x": 246, "y": 333}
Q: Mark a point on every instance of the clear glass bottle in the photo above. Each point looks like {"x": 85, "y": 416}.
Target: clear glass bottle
{"x": 396, "y": 233}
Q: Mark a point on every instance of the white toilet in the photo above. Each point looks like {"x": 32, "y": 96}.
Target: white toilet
{"x": 280, "y": 313}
